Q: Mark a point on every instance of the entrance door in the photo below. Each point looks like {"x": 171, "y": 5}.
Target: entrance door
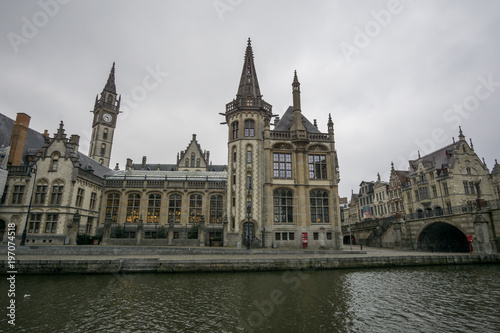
{"x": 248, "y": 229}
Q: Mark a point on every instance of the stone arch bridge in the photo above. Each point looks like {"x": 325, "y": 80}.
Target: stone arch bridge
{"x": 446, "y": 232}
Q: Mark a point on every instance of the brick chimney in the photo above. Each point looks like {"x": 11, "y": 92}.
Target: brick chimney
{"x": 18, "y": 138}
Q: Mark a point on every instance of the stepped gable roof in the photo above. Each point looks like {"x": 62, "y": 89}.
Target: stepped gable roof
{"x": 286, "y": 122}
{"x": 34, "y": 140}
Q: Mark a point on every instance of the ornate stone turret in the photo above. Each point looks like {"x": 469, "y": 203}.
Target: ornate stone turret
{"x": 106, "y": 110}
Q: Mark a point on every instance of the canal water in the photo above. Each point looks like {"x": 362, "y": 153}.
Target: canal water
{"x": 417, "y": 299}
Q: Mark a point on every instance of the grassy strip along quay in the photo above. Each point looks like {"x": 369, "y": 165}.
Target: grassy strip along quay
{"x": 102, "y": 260}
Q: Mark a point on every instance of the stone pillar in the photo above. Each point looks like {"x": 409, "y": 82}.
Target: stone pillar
{"x": 322, "y": 238}
{"x": 73, "y": 227}
{"x": 482, "y": 242}
{"x": 106, "y": 233}
{"x": 139, "y": 231}
{"x": 170, "y": 232}
{"x": 201, "y": 231}
{"x": 224, "y": 231}
{"x": 397, "y": 233}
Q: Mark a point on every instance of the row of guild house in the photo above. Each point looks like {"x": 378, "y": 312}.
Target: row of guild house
{"x": 278, "y": 186}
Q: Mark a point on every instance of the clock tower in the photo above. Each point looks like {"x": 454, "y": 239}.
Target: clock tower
{"x": 106, "y": 110}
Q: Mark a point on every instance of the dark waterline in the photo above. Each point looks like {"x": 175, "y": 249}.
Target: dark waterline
{"x": 420, "y": 299}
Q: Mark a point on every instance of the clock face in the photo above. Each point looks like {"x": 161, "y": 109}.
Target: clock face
{"x": 107, "y": 117}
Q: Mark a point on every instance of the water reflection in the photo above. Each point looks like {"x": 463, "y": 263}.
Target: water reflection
{"x": 446, "y": 298}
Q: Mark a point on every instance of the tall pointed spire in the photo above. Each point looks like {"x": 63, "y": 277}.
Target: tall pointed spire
{"x": 297, "y": 112}
{"x": 249, "y": 85}
{"x": 110, "y": 84}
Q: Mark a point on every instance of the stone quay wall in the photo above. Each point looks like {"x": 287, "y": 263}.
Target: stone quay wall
{"x": 117, "y": 260}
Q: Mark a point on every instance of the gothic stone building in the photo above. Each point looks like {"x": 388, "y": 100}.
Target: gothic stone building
{"x": 279, "y": 184}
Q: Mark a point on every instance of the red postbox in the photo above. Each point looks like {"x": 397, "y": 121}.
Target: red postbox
{"x": 304, "y": 240}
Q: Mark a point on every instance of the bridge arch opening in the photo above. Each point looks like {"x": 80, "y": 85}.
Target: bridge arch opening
{"x": 442, "y": 237}
{"x": 346, "y": 240}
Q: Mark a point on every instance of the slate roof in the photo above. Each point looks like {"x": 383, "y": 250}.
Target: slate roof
{"x": 286, "y": 122}
{"x": 439, "y": 159}
{"x": 34, "y": 140}
{"x": 89, "y": 164}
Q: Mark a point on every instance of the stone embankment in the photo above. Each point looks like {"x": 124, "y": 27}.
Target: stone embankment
{"x": 103, "y": 259}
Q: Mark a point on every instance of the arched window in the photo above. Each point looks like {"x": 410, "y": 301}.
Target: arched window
{"x": 154, "y": 204}
{"x": 54, "y": 163}
{"x": 192, "y": 160}
{"x": 420, "y": 214}
{"x": 174, "y": 208}
{"x": 195, "y": 212}
{"x": 283, "y": 206}
{"x": 216, "y": 208}
{"x": 103, "y": 149}
{"x": 105, "y": 134}
{"x": 109, "y": 99}
{"x": 198, "y": 163}
{"x": 235, "y": 129}
{"x": 249, "y": 128}
{"x": 57, "y": 192}
{"x": 112, "y": 205}
{"x": 133, "y": 205}
{"x": 42, "y": 187}
{"x": 319, "y": 207}
{"x": 187, "y": 162}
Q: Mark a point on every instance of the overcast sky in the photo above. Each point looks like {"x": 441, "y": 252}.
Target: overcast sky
{"x": 397, "y": 77}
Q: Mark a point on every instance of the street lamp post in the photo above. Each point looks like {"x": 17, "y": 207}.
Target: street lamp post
{"x": 32, "y": 169}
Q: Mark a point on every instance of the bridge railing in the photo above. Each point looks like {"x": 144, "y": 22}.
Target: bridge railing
{"x": 471, "y": 207}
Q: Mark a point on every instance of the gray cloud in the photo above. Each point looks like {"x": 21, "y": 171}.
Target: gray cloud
{"x": 386, "y": 101}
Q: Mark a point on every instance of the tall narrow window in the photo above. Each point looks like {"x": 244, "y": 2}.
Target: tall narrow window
{"x": 466, "y": 187}
{"x": 235, "y": 130}
{"x": 319, "y": 207}
{"x": 51, "y": 224}
{"x": 93, "y": 198}
{"x": 57, "y": 192}
{"x": 249, "y": 156}
{"x": 249, "y": 128}
{"x": 112, "y": 205}
{"x": 103, "y": 149}
{"x": 88, "y": 227}
{"x": 17, "y": 194}
{"x": 174, "y": 208}
{"x": 317, "y": 166}
{"x": 105, "y": 134}
{"x": 133, "y": 205}
{"x": 192, "y": 160}
{"x": 34, "y": 225}
{"x": 195, "y": 202}
{"x": 282, "y": 165}
{"x": 445, "y": 188}
{"x": 79, "y": 197}
{"x": 154, "y": 204}
{"x": 216, "y": 209}
{"x": 41, "y": 192}
{"x": 283, "y": 206}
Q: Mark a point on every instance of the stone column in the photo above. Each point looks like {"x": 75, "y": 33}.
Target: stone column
{"x": 106, "y": 233}
{"x": 224, "y": 231}
{"x": 73, "y": 227}
{"x": 170, "y": 232}
{"x": 201, "y": 231}
{"x": 139, "y": 231}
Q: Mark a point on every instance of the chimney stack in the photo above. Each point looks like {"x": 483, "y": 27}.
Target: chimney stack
{"x": 74, "y": 141}
{"x": 18, "y": 139}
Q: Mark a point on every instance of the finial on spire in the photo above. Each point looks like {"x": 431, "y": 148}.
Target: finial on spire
{"x": 471, "y": 144}
{"x": 60, "y": 131}
{"x": 461, "y": 135}
{"x": 110, "y": 84}
{"x": 392, "y": 166}
{"x": 453, "y": 139}
{"x": 419, "y": 154}
{"x": 330, "y": 123}
{"x": 484, "y": 162}
{"x": 496, "y": 162}
{"x": 378, "y": 176}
